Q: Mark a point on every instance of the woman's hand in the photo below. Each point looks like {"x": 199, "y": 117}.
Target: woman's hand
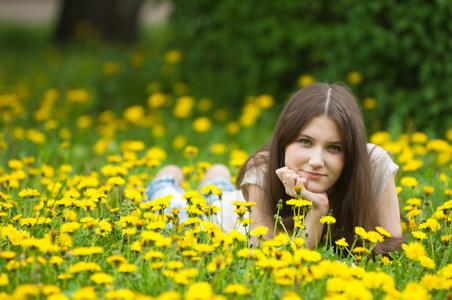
{"x": 290, "y": 179}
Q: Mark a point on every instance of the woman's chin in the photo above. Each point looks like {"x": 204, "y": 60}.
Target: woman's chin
{"x": 314, "y": 188}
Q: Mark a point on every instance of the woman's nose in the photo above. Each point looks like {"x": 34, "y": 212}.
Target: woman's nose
{"x": 316, "y": 160}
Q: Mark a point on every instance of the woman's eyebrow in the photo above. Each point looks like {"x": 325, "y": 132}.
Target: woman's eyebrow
{"x": 311, "y": 138}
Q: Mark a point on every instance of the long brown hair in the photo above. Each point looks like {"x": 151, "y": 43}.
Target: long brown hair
{"x": 351, "y": 196}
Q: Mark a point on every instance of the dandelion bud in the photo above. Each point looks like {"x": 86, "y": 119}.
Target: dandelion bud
{"x": 218, "y": 192}
{"x": 297, "y": 189}
{"x": 53, "y": 234}
{"x": 280, "y": 204}
{"x": 428, "y": 190}
{"x": 445, "y": 239}
{"x": 448, "y": 192}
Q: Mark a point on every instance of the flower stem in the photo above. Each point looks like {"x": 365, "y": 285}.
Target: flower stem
{"x": 315, "y": 229}
{"x": 431, "y": 243}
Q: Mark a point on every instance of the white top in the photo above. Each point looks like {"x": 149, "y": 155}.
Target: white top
{"x": 381, "y": 166}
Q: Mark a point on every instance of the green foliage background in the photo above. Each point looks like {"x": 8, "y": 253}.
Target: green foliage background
{"x": 403, "y": 49}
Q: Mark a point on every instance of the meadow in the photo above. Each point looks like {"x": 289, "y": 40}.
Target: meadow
{"x": 84, "y": 128}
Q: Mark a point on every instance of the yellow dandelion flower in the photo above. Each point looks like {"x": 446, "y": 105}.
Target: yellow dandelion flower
{"x": 64, "y": 276}
{"x": 361, "y": 232}
{"x": 56, "y": 260}
{"x": 173, "y": 56}
{"x": 169, "y": 295}
{"x": 84, "y": 293}
{"x": 291, "y": 296}
{"x": 419, "y": 137}
{"x": 102, "y": 278}
{"x": 431, "y": 224}
{"x": 156, "y": 225}
{"x": 151, "y": 236}
{"x": 374, "y": 237}
{"x": 412, "y": 165}
{"x": 259, "y": 231}
{"x": 92, "y": 250}
{"x": 385, "y": 260}
{"x": 237, "y": 289}
{"x": 299, "y": 203}
{"x": 414, "y": 250}
{"x": 411, "y": 214}
{"x": 105, "y": 226}
{"x": 414, "y": 201}
{"x": 237, "y": 235}
{"x": 238, "y": 157}
{"x": 4, "y": 280}
{"x": 382, "y": 231}
{"x": 202, "y": 124}
{"x": 172, "y": 265}
{"x": 369, "y": 103}
{"x": 199, "y": 291}
{"x": 208, "y": 189}
{"x": 8, "y": 254}
{"x": 190, "y": 151}
{"x": 70, "y": 227}
{"x": 446, "y": 239}
{"x": 64, "y": 240}
{"x": 84, "y": 266}
{"x": 240, "y": 211}
{"x": 29, "y": 193}
{"x": 136, "y": 246}
{"x": 306, "y": 255}
{"x": 409, "y": 181}
{"x": 437, "y": 145}
{"x": 150, "y": 255}
{"x": 426, "y": 262}
{"x": 127, "y": 268}
{"x": 305, "y": 80}
{"x": 361, "y": 250}
{"x": 354, "y": 77}
{"x": 428, "y": 190}
{"x": 248, "y": 204}
{"x": 116, "y": 181}
{"x": 204, "y": 248}
{"x": 328, "y": 220}
{"x": 246, "y": 222}
{"x": 156, "y": 100}
{"x": 27, "y": 222}
{"x": 341, "y": 242}
{"x": 116, "y": 259}
{"x": 419, "y": 235}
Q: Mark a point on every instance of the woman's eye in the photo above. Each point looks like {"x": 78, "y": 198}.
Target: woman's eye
{"x": 305, "y": 141}
{"x": 335, "y": 148}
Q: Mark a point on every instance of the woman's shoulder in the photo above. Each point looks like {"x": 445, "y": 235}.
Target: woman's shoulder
{"x": 256, "y": 168}
{"x": 378, "y": 155}
{"x": 375, "y": 152}
{"x": 382, "y": 168}
{"x": 261, "y": 156}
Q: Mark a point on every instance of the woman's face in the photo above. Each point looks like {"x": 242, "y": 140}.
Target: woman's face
{"x": 316, "y": 154}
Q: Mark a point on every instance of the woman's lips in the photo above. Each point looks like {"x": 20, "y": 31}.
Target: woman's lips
{"x": 313, "y": 175}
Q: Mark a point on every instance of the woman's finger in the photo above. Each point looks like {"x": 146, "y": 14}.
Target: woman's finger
{"x": 288, "y": 178}
{"x": 319, "y": 200}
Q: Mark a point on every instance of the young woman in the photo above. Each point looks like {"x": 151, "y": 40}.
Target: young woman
{"x": 319, "y": 142}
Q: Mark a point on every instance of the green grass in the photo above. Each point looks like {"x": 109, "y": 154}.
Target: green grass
{"x": 274, "y": 272}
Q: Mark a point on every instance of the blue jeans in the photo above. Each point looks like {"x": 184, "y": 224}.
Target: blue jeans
{"x": 166, "y": 185}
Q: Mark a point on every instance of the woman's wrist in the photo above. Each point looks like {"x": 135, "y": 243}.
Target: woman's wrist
{"x": 321, "y": 210}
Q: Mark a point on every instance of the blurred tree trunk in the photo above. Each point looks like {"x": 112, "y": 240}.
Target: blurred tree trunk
{"x": 111, "y": 20}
